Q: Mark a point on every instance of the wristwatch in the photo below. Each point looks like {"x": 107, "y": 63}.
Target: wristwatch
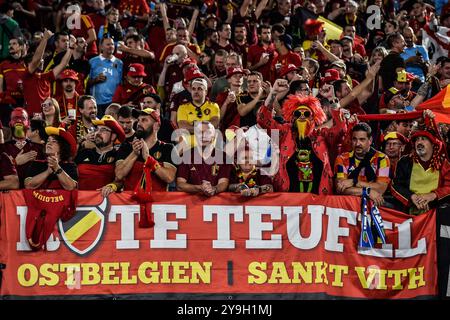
{"x": 58, "y": 171}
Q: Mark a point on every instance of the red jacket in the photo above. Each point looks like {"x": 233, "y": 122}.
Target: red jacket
{"x": 321, "y": 140}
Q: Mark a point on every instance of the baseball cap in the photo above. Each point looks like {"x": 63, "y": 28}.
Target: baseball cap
{"x": 146, "y": 112}
{"x": 287, "y": 68}
{"x": 69, "y": 74}
{"x": 330, "y": 76}
{"x": 111, "y": 123}
{"x": 136, "y": 70}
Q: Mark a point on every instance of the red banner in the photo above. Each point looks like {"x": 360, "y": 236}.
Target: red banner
{"x": 296, "y": 245}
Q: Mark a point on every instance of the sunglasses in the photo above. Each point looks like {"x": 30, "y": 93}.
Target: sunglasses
{"x": 199, "y": 112}
{"x": 302, "y": 113}
{"x": 43, "y": 105}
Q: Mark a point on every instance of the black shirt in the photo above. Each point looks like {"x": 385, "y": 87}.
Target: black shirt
{"x": 91, "y": 156}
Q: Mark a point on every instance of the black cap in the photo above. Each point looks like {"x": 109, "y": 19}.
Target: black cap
{"x": 287, "y": 40}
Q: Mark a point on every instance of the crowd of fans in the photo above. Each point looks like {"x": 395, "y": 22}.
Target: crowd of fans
{"x": 128, "y": 94}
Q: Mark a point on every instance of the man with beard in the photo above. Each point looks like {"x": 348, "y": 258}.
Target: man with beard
{"x": 134, "y": 89}
{"x": 260, "y": 56}
{"x": 96, "y": 166}
{"x": 126, "y": 121}
{"x": 84, "y": 129}
{"x": 146, "y": 151}
{"x": 304, "y": 149}
{"x": 240, "y": 41}
{"x": 12, "y": 71}
{"x": 20, "y": 150}
{"x": 422, "y": 178}
{"x": 363, "y": 167}
{"x": 69, "y": 97}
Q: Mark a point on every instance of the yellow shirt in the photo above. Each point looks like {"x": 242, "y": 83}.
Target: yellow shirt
{"x": 188, "y": 112}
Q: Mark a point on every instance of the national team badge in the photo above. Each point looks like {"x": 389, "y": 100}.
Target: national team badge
{"x": 83, "y": 232}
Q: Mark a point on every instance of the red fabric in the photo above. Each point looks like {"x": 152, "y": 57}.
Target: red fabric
{"x": 93, "y": 176}
{"x": 12, "y": 72}
{"x": 322, "y": 141}
{"x": 97, "y": 20}
{"x": 37, "y": 88}
{"x": 45, "y": 207}
{"x": 85, "y": 25}
{"x": 125, "y": 91}
{"x": 66, "y": 104}
{"x": 135, "y": 174}
{"x": 436, "y": 104}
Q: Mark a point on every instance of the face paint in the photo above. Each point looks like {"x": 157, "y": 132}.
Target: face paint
{"x": 303, "y": 115}
{"x": 19, "y": 131}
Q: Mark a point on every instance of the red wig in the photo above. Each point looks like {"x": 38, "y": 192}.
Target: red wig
{"x": 293, "y": 102}
{"x": 313, "y": 27}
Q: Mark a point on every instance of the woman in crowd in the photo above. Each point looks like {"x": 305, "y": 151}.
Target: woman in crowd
{"x": 58, "y": 171}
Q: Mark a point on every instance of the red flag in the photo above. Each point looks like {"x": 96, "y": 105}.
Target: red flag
{"x": 440, "y": 104}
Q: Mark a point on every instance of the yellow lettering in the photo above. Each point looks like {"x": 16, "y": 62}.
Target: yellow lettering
{"x": 338, "y": 271}
{"x": 299, "y": 270}
{"x": 257, "y": 276}
{"x": 48, "y": 277}
{"x": 125, "y": 266}
{"x": 413, "y": 278}
{"x": 91, "y": 275}
{"x": 165, "y": 275}
{"x": 321, "y": 272}
{"x": 179, "y": 272}
{"x": 142, "y": 272}
{"x": 71, "y": 269}
{"x": 109, "y": 270}
{"x": 279, "y": 273}
{"x": 202, "y": 270}
{"x": 398, "y": 274}
{"x": 33, "y": 275}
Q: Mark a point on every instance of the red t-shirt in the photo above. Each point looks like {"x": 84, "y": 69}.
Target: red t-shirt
{"x": 135, "y": 7}
{"x": 196, "y": 173}
{"x": 254, "y": 54}
{"x": 66, "y": 104}
{"x": 12, "y": 72}
{"x": 98, "y": 20}
{"x": 85, "y": 25}
{"x": 126, "y": 91}
{"x": 37, "y": 87}
{"x": 289, "y": 58}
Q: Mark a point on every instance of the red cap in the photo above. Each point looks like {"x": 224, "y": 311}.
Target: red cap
{"x": 111, "y": 123}
{"x": 234, "y": 70}
{"x": 53, "y": 131}
{"x": 193, "y": 73}
{"x": 330, "y": 76}
{"x": 396, "y": 135}
{"x": 410, "y": 77}
{"x": 287, "y": 68}
{"x": 69, "y": 74}
{"x": 187, "y": 62}
{"x": 424, "y": 133}
{"x": 146, "y": 112}
{"x": 136, "y": 70}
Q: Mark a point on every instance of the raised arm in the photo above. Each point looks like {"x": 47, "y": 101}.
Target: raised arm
{"x": 39, "y": 53}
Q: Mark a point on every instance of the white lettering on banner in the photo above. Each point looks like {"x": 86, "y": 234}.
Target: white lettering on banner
{"x": 52, "y": 244}
{"x": 293, "y": 215}
{"x": 160, "y": 212}
{"x": 223, "y": 223}
{"x": 335, "y": 231}
{"x": 404, "y": 242}
{"x": 257, "y": 226}
{"x": 386, "y": 250}
{"x": 127, "y": 222}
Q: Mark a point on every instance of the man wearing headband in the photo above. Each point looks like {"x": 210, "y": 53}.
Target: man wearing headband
{"x": 422, "y": 178}
{"x": 20, "y": 150}
{"x": 96, "y": 166}
{"x": 304, "y": 149}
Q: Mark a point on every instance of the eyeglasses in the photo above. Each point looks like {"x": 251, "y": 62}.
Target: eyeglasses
{"x": 302, "y": 113}
{"x": 43, "y": 105}
{"x": 199, "y": 112}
